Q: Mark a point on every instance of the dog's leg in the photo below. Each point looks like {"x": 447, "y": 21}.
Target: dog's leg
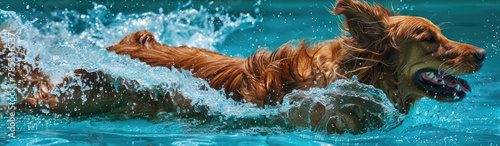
{"x": 89, "y": 93}
{"x": 339, "y": 114}
{"x": 85, "y": 93}
{"x": 143, "y": 46}
{"x": 219, "y": 70}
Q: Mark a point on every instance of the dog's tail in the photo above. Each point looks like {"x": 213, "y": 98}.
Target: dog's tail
{"x": 219, "y": 70}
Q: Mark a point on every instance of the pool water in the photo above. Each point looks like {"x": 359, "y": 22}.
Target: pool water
{"x": 76, "y": 37}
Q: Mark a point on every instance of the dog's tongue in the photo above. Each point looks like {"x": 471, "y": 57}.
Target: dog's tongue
{"x": 454, "y": 81}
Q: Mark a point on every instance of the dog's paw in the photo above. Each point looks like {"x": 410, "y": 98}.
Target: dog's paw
{"x": 141, "y": 37}
{"x": 134, "y": 42}
{"x": 144, "y": 37}
{"x": 42, "y": 99}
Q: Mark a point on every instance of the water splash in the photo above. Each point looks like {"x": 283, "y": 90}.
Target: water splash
{"x": 67, "y": 35}
{"x": 338, "y": 96}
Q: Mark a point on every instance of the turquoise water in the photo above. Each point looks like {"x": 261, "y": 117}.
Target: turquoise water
{"x": 74, "y": 37}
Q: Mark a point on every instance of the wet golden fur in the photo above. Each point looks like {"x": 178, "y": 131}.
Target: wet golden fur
{"x": 382, "y": 50}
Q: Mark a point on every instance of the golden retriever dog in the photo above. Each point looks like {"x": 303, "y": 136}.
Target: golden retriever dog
{"x": 406, "y": 57}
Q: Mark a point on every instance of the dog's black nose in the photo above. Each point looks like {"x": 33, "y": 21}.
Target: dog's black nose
{"x": 480, "y": 56}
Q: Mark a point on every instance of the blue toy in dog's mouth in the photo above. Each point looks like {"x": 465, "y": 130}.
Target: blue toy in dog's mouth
{"x": 449, "y": 87}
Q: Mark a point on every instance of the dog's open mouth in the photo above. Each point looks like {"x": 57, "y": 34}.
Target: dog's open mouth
{"x": 449, "y": 87}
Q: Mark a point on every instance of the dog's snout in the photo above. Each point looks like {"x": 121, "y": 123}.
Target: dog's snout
{"x": 480, "y": 56}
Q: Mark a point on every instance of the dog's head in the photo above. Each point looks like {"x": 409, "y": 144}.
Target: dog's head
{"x": 405, "y": 56}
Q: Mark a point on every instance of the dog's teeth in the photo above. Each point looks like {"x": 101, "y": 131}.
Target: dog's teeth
{"x": 442, "y": 82}
{"x": 458, "y": 88}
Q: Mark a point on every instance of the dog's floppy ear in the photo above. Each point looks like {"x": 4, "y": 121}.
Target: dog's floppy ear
{"x": 365, "y": 23}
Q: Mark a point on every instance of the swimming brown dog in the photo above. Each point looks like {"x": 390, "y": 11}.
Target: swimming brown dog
{"x": 405, "y": 56}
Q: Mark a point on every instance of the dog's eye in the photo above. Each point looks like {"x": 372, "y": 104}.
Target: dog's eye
{"x": 431, "y": 39}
